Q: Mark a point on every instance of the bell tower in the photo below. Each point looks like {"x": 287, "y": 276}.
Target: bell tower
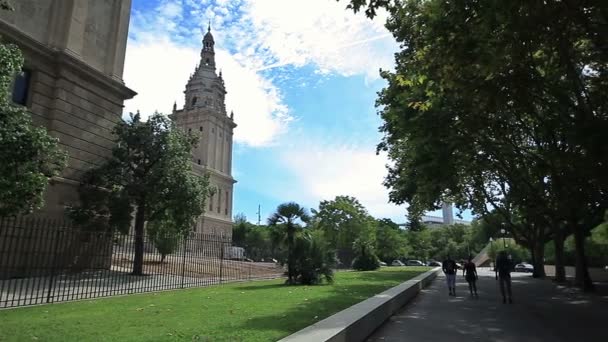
{"x": 204, "y": 115}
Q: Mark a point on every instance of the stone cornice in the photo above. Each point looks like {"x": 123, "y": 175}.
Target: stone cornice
{"x": 223, "y": 176}
{"x": 65, "y": 59}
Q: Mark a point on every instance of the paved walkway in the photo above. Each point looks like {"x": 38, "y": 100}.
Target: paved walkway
{"x": 541, "y": 312}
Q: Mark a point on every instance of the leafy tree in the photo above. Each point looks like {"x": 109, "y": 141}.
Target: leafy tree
{"x": 287, "y": 221}
{"x": 343, "y": 220}
{"x": 30, "y": 156}
{"x": 420, "y": 243}
{"x": 365, "y": 259}
{"x": 391, "y": 242}
{"x": 518, "y": 253}
{"x": 165, "y": 237}
{"x": 150, "y": 173}
{"x": 500, "y": 103}
{"x": 240, "y": 230}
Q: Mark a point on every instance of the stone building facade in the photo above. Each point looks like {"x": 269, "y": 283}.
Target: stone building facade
{"x": 74, "y": 56}
{"x": 204, "y": 114}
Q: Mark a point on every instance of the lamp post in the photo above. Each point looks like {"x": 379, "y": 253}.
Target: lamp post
{"x": 491, "y": 249}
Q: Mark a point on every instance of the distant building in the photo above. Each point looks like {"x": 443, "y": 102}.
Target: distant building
{"x": 72, "y": 79}
{"x": 448, "y": 214}
{"x": 446, "y": 219}
{"x": 205, "y": 115}
{"x": 436, "y": 221}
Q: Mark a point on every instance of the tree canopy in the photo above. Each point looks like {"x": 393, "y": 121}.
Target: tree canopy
{"x": 499, "y": 105}
{"x": 30, "y": 156}
{"x": 150, "y": 173}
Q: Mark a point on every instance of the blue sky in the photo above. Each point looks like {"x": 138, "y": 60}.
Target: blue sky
{"x": 301, "y": 77}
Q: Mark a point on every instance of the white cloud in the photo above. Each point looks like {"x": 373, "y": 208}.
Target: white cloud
{"x": 324, "y": 172}
{"x": 251, "y": 36}
{"x": 158, "y": 67}
{"x": 322, "y": 32}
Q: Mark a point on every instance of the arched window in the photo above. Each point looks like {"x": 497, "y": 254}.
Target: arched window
{"x": 207, "y": 61}
{"x": 194, "y": 99}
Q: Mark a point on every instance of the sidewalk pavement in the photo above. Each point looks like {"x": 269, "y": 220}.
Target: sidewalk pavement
{"x": 541, "y": 312}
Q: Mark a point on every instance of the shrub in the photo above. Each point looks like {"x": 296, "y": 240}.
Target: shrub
{"x": 314, "y": 261}
{"x": 164, "y": 237}
{"x": 366, "y": 259}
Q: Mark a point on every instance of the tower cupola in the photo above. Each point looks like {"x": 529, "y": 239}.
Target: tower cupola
{"x": 208, "y": 52}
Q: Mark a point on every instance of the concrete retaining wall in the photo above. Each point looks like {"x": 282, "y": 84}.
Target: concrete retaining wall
{"x": 359, "y": 321}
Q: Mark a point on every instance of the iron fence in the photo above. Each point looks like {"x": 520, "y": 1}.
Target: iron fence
{"x": 46, "y": 261}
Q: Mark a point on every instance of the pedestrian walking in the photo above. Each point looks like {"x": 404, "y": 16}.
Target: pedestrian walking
{"x": 503, "y": 275}
{"x": 449, "y": 269}
{"x": 470, "y": 274}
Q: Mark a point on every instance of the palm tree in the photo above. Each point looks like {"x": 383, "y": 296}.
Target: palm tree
{"x": 285, "y": 220}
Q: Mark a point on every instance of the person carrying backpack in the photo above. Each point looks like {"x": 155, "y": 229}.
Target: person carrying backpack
{"x": 503, "y": 275}
{"x": 449, "y": 269}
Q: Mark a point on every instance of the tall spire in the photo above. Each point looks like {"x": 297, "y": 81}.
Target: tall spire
{"x": 208, "y": 51}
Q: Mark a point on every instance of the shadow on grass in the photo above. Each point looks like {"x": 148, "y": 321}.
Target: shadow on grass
{"x": 343, "y": 294}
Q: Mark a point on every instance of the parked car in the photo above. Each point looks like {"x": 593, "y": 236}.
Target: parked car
{"x": 415, "y": 263}
{"x": 523, "y": 267}
{"x": 397, "y": 263}
{"x": 433, "y": 263}
{"x": 382, "y": 263}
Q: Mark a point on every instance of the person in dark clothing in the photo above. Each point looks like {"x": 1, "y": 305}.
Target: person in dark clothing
{"x": 449, "y": 269}
{"x": 470, "y": 274}
{"x": 503, "y": 275}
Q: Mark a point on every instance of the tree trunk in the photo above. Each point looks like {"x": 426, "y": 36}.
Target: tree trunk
{"x": 538, "y": 259}
{"x": 582, "y": 278}
{"x": 560, "y": 270}
{"x": 290, "y": 256}
{"x": 138, "y": 261}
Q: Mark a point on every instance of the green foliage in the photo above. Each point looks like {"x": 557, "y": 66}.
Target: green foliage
{"x": 343, "y": 220}
{"x": 30, "y": 156}
{"x": 165, "y": 236}
{"x": 391, "y": 242}
{"x": 314, "y": 260}
{"x": 257, "y": 240}
{"x": 287, "y": 224}
{"x": 149, "y": 171}
{"x": 596, "y": 246}
{"x": 365, "y": 259}
{"x": 517, "y": 252}
{"x": 499, "y": 104}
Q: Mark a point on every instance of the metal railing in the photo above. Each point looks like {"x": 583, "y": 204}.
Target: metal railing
{"x": 47, "y": 261}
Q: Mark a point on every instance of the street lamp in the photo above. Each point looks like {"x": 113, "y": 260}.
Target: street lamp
{"x": 491, "y": 249}
{"x": 504, "y": 244}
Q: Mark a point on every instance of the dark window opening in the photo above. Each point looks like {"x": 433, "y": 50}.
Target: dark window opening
{"x": 194, "y": 99}
{"x": 21, "y": 87}
{"x": 207, "y": 61}
{"x": 189, "y": 130}
{"x": 199, "y": 162}
{"x": 226, "y": 208}
{"x": 200, "y": 129}
{"x": 219, "y": 201}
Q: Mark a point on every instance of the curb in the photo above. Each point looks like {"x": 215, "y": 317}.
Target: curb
{"x": 359, "y": 321}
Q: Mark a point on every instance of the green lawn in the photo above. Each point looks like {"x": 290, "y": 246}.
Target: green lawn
{"x": 254, "y": 311}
